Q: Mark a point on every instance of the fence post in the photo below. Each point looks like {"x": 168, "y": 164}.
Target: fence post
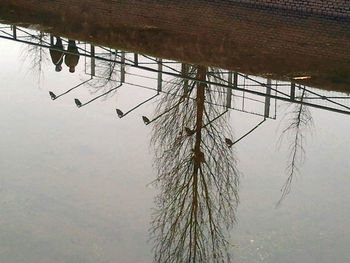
{"x": 267, "y": 99}
{"x": 292, "y": 91}
{"x": 122, "y": 67}
{"x": 136, "y": 59}
{"x": 14, "y": 31}
{"x": 160, "y": 68}
{"x": 92, "y": 52}
{"x": 184, "y": 73}
{"x": 229, "y": 90}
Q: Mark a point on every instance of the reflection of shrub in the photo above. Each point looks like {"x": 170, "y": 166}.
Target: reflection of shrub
{"x": 36, "y": 56}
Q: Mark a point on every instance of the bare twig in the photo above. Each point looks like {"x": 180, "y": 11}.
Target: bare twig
{"x": 300, "y": 121}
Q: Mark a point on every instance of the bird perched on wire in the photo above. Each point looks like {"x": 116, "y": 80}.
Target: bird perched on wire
{"x": 229, "y": 142}
{"x": 77, "y": 102}
{"x": 146, "y": 120}
{"x": 119, "y": 113}
{"x": 52, "y": 95}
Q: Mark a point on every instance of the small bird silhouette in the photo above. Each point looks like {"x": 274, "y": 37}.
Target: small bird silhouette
{"x": 188, "y": 131}
{"x": 228, "y": 142}
{"x": 119, "y": 112}
{"x": 146, "y": 120}
{"x": 52, "y": 95}
{"x": 77, "y": 102}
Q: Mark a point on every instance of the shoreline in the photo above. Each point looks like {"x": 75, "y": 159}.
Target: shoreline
{"x": 268, "y": 42}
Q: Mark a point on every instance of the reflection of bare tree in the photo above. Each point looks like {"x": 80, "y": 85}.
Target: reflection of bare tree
{"x": 197, "y": 174}
{"x": 36, "y": 55}
{"x": 299, "y": 122}
{"x": 108, "y": 74}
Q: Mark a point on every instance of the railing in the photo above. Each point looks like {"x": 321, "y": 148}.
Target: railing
{"x": 250, "y": 94}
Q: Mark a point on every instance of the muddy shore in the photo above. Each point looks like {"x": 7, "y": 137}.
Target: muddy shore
{"x": 268, "y": 41}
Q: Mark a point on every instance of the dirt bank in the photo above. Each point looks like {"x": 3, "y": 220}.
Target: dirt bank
{"x": 263, "y": 38}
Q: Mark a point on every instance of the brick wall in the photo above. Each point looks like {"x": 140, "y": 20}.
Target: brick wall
{"x": 330, "y": 8}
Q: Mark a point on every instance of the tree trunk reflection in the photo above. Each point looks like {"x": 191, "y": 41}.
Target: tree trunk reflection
{"x": 197, "y": 175}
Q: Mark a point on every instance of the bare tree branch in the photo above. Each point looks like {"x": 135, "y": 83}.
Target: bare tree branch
{"x": 37, "y": 56}
{"x": 300, "y": 122}
{"x": 197, "y": 174}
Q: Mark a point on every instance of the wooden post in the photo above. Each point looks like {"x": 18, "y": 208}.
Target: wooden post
{"x": 229, "y": 90}
{"x": 122, "y": 67}
{"x": 267, "y": 99}
{"x": 93, "y": 66}
{"x": 136, "y": 59}
{"x": 160, "y": 68}
{"x": 292, "y": 91}
{"x": 184, "y": 73}
{"x": 14, "y": 31}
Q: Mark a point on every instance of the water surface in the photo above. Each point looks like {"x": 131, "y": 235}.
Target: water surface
{"x": 74, "y": 183}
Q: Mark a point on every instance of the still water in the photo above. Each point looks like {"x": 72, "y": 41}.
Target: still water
{"x": 75, "y": 183}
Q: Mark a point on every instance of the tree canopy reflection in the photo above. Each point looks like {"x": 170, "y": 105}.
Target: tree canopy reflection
{"x": 197, "y": 172}
{"x": 299, "y": 122}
